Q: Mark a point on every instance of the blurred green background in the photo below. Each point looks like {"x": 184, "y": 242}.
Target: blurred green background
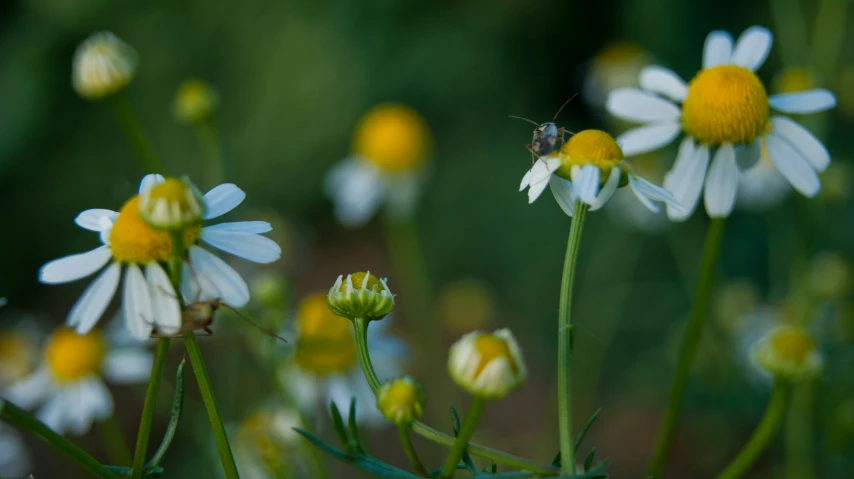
{"x": 295, "y": 76}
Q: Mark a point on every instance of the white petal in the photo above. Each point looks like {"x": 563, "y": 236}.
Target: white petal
{"x": 747, "y": 156}
{"x": 607, "y": 190}
{"x": 585, "y": 181}
{"x": 664, "y": 82}
{"x": 75, "y": 266}
{"x": 232, "y": 288}
{"x": 639, "y": 106}
{"x": 95, "y": 299}
{"x": 54, "y": 412}
{"x": 222, "y": 199}
{"x": 357, "y": 191}
{"x": 249, "y": 246}
{"x": 721, "y": 183}
{"x": 256, "y": 227}
{"x": 792, "y": 165}
{"x": 165, "y": 309}
{"x": 810, "y": 101}
{"x": 31, "y": 390}
{"x": 539, "y": 176}
{"x": 136, "y": 303}
{"x": 685, "y": 180}
{"x": 752, "y": 48}
{"x": 99, "y": 399}
{"x": 563, "y": 193}
{"x": 646, "y": 202}
{"x": 648, "y": 138}
{"x": 128, "y": 366}
{"x": 148, "y": 181}
{"x": 93, "y": 220}
{"x": 526, "y": 180}
{"x": 805, "y": 142}
{"x": 717, "y": 49}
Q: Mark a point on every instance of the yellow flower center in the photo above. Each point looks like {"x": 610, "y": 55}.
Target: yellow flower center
{"x": 359, "y": 278}
{"x": 133, "y": 241}
{"x": 254, "y": 433}
{"x": 725, "y": 103}
{"x": 491, "y": 347}
{"x": 16, "y": 357}
{"x": 399, "y": 394}
{"x": 325, "y": 343}
{"x": 71, "y": 356}
{"x": 793, "y": 345}
{"x": 393, "y": 137}
{"x": 589, "y": 147}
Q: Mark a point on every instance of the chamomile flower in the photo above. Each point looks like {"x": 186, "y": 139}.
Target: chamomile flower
{"x": 267, "y": 447}
{"x": 724, "y": 107}
{"x": 789, "y": 353}
{"x": 616, "y": 65}
{"x": 18, "y": 358}
{"x": 325, "y": 366}
{"x": 134, "y": 249}
{"x": 103, "y": 64}
{"x": 68, "y": 388}
{"x": 488, "y": 365}
{"x": 390, "y": 149}
{"x": 589, "y": 167}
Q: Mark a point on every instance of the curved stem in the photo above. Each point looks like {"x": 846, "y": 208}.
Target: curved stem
{"x": 135, "y": 134}
{"x": 148, "y": 405}
{"x": 501, "y": 457}
{"x": 466, "y": 431}
{"x": 565, "y": 335}
{"x": 688, "y": 347}
{"x": 209, "y": 139}
{"x": 761, "y": 436}
{"x": 411, "y": 454}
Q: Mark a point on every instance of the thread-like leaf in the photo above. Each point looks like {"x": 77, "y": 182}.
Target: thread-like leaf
{"x": 338, "y": 424}
{"x": 586, "y": 428}
{"x": 174, "y": 418}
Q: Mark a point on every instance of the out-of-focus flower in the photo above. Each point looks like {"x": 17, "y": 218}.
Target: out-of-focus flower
{"x": 793, "y": 80}
{"x": 270, "y": 290}
{"x": 829, "y": 276}
{"x": 616, "y": 65}
{"x": 325, "y": 365}
{"x": 390, "y": 148}
{"x": 466, "y": 305}
{"x": 488, "y": 365}
{"x": 103, "y": 64}
{"x": 726, "y": 107}
{"x": 19, "y": 353}
{"x": 173, "y": 204}
{"x": 788, "y": 353}
{"x": 844, "y": 80}
{"x": 266, "y": 446}
{"x": 732, "y": 305}
{"x": 68, "y": 388}
{"x": 836, "y": 182}
{"x": 195, "y": 102}
{"x": 589, "y": 167}
{"x": 361, "y": 295}
{"x": 401, "y": 400}
{"x": 14, "y": 458}
{"x": 149, "y": 300}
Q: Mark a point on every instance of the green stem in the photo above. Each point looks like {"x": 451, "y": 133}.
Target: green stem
{"x": 466, "y": 431}
{"x": 500, "y": 457}
{"x": 799, "y": 435}
{"x": 208, "y": 398}
{"x": 761, "y": 436}
{"x": 135, "y": 134}
{"x": 411, "y": 454}
{"x": 565, "y": 336}
{"x": 145, "y": 421}
{"x": 209, "y": 139}
{"x": 688, "y": 347}
{"x": 19, "y": 418}
{"x": 114, "y": 441}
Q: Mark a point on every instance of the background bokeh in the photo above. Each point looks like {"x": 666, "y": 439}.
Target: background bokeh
{"x": 294, "y": 78}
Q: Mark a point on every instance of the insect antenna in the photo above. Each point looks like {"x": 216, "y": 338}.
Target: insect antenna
{"x": 266, "y": 331}
{"x": 564, "y": 104}
{"x": 524, "y": 119}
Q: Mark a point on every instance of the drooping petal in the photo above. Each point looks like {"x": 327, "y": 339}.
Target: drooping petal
{"x": 607, "y": 190}
{"x": 810, "y": 101}
{"x": 792, "y": 165}
{"x": 585, "y": 182}
{"x": 249, "y": 246}
{"x": 648, "y": 138}
{"x": 721, "y": 183}
{"x": 150, "y": 180}
{"x": 539, "y": 176}
{"x": 232, "y": 288}
{"x": 664, "y": 82}
{"x": 136, "y": 303}
{"x": 128, "y": 366}
{"x": 93, "y": 220}
{"x": 165, "y": 308}
{"x": 685, "y": 180}
{"x": 563, "y": 193}
{"x": 256, "y": 227}
{"x": 752, "y": 48}
{"x": 222, "y": 199}
{"x": 644, "y": 200}
{"x": 75, "y": 266}
{"x": 95, "y": 299}
{"x": 805, "y": 142}
{"x": 639, "y": 106}
{"x": 718, "y": 49}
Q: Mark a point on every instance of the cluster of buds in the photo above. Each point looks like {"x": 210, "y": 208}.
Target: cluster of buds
{"x": 361, "y": 296}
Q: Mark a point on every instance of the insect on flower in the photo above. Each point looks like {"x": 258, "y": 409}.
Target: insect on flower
{"x": 546, "y": 135}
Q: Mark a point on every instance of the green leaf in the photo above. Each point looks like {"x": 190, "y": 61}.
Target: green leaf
{"x": 455, "y": 423}
{"x": 589, "y": 461}
{"x": 556, "y": 460}
{"x": 586, "y": 428}
{"x": 354, "y": 445}
{"x": 175, "y": 417}
{"x": 361, "y": 461}
{"x": 338, "y": 424}
{"x": 148, "y": 471}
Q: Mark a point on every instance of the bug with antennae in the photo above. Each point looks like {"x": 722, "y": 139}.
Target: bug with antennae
{"x": 199, "y": 315}
{"x": 545, "y": 135}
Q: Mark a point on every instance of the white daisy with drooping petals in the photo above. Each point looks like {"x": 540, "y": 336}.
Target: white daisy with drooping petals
{"x": 68, "y": 388}
{"x": 724, "y": 108}
{"x": 133, "y": 249}
{"x": 589, "y": 167}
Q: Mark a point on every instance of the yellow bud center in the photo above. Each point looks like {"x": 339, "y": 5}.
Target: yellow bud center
{"x": 133, "y": 241}
{"x": 172, "y": 190}
{"x": 725, "y": 103}
{"x": 359, "y": 278}
{"x": 393, "y": 137}
{"x": 399, "y": 394}
{"x": 793, "y": 345}
{"x": 325, "y": 343}
{"x": 71, "y": 356}
{"x": 589, "y": 147}
{"x": 490, "y": 348}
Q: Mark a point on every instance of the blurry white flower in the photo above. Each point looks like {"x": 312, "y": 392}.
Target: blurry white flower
{"x": 266, "y": 446}
{"x": 616, "y": 65}
{"x": 788, "y": 353}
{"x": 14, "y": 458}
{"x": 103, "y": 64}
{"x": 487, "y": 365}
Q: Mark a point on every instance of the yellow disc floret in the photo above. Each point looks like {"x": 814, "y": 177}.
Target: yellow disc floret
{"x": 792, "y": 344}
{"x": 71, "y": 356}
{"x": 490, "y": 348}
{"x": 133, "y": 241}
{"x": 788, "y": 352}
{"x": 325, "y": 343}
{"x": 401, "y": 400}
{"x": 589, "y": 147}
{"x": 725, "y": 104}
{"x": 359, "y": 278}
{"x": 393, "y": 137}
{"x": 173, "y": 205}
{"x": 195, "y": 102}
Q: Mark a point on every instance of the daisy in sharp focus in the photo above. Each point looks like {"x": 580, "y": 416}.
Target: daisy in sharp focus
{"x": 589, "y": 167}
{"x": 68, "y": 388}
{"x": 724, "y": 107}
{"x": 133, "y": 249}
{"x": 325, "y": 365}
{"x": 390, "y": 149}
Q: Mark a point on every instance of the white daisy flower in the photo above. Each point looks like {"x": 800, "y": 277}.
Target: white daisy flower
{"x": 14, "y": 458}
{"x": 68, "y": 388}
{"x": 325, "y": 364}
{"x": 390, "y": 149}
{"x": 589, "y": 167}
{"x": 132, "y": 247}
{"x": 266, "y": 446}
{"x": 724, "y": 107}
